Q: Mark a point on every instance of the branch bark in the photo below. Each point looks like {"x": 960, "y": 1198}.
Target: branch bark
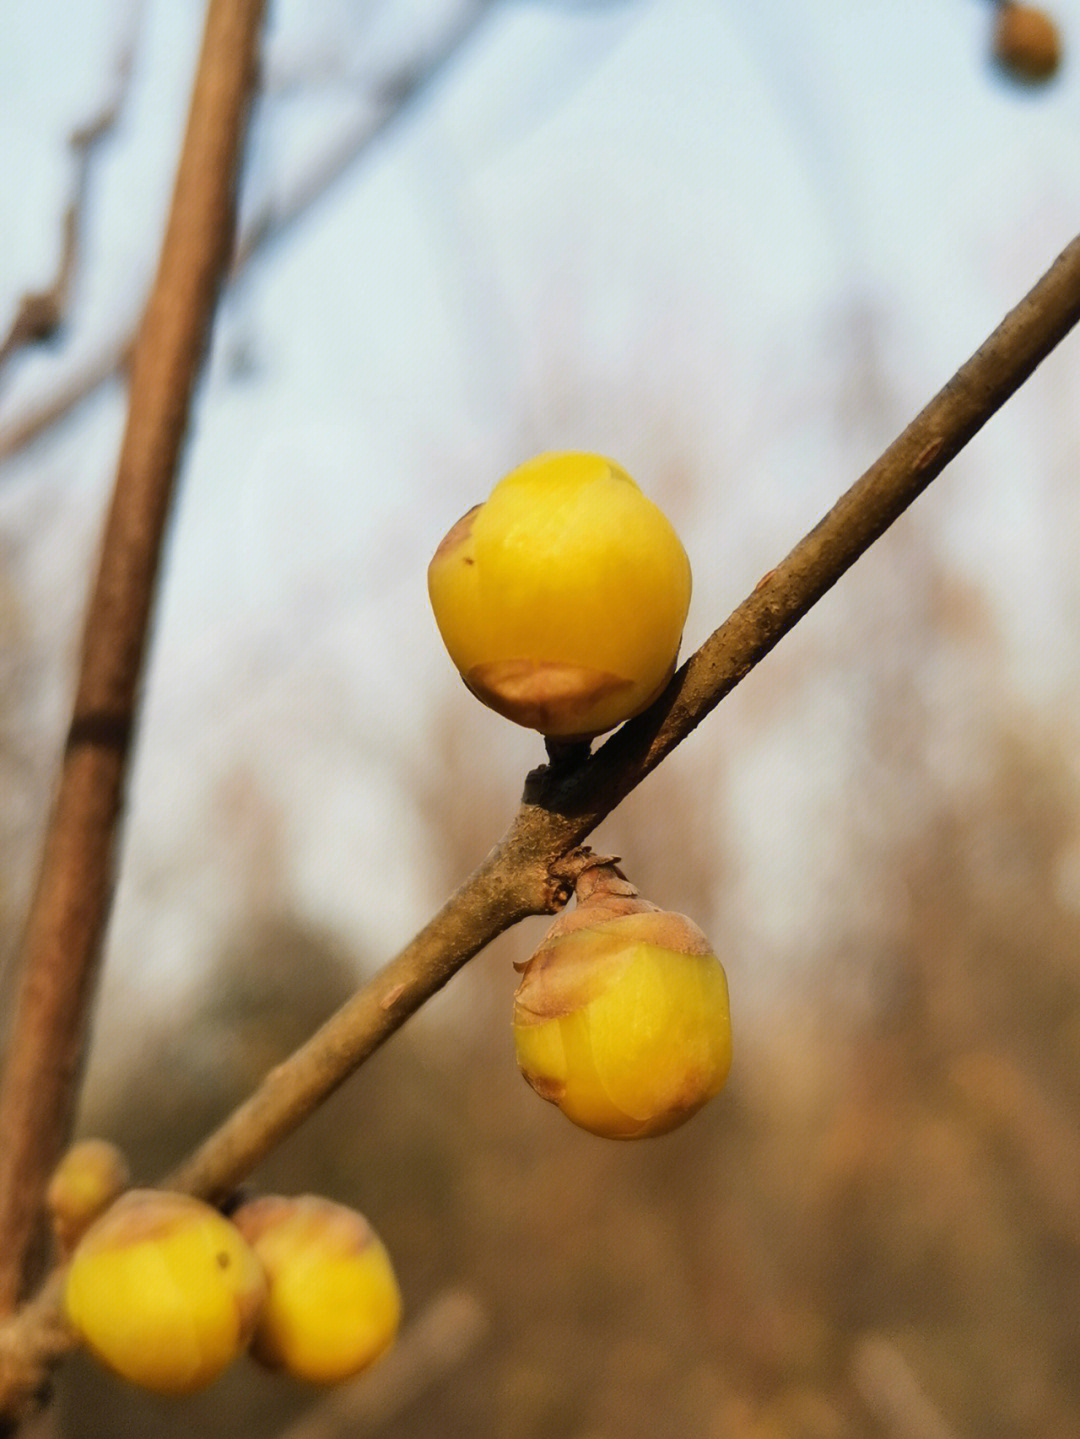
{"x": 71, "y": 903}
{"x": 529, "y": 870}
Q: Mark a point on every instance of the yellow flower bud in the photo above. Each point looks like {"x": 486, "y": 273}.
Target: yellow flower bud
{"x": 562, "y": 599}
{"x": 1027, "y": 46}
{"x": 334, "y": 1305}
{"x": 621, "y": 1019}
{"x": 85, "y": 1182}
{"x": 164, "y": 1291}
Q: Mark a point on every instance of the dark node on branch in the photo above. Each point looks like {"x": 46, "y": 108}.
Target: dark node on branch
{"x": 559, "y": 894}
{"x": 565, "y": 759}
{"x": 39, "y": 320}
{"x": 100, "y": 730}
{"x": 566, "y": 754}
{"x": 241, "y": 1194}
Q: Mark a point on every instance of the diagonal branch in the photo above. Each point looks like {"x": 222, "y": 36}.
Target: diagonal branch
{"x": 527, "y": 871}
{"x": 70, "y": 906}
{"x": 917, "y": 456}
{"x": 521, "y": 876}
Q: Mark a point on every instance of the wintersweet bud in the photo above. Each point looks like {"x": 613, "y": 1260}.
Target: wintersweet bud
{"x": 1027, "y": 45}
{"x": 85, "y": 1182}
{"x": 562, "y": 599}
{"x": 164, "y": 1291}
{"x": 621, "y": 1017}
{"x": 333, "y": 1305}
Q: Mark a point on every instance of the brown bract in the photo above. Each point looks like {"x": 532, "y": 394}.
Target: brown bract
{"x": 561, "y": 977}
{"x": 457, "y": 534}
{"x": 558, "y": 977}
{"x": 545, "y": 696}
{"x": 339, "y": 1230}
{"x": 602, "y": 892}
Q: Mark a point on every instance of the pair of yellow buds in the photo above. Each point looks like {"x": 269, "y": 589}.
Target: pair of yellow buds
{"x": 561, "y": 601}
{"x": 167, "y": 1292}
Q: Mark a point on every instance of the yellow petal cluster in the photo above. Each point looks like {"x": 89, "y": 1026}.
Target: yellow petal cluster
{"x": 625, "y": 1024}
{"x": 164, "y": 1291}
{"x": 333, "y": 1304}
{"x": 562, "y": 599}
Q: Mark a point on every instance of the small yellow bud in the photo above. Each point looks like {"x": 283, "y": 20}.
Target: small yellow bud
{"x": 334, "y": 1305}
{"x": 562, "y": 599}
{"x": 164, "y": 1291}
{"x": 85, "y": 1182}
{"x": 621, "y": 1017}
{"x": 1027, "y": 46}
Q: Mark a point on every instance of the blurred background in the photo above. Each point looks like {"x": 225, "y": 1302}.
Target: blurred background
{"x": 736, "y": 248}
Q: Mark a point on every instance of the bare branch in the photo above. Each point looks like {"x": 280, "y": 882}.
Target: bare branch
{"x": 107, "y": 363}
{"x": 71, "y": 904}
{"x": 781, "y": 597}
{"x": 271, "y": 224}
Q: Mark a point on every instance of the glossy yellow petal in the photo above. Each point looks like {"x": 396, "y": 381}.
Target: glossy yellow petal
{"x": 164, "y": 1291}
{"x": 661, "y": 1037}
{"x": 627, "y": 1037}
{"x": 334, "y": 1305}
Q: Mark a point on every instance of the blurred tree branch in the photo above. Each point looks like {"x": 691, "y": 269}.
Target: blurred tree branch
{"x": 891, "y": 1391}
{"x": 70, "y": 907}
{"x": 107, "y": 362}
{"x": 41, "y": 313}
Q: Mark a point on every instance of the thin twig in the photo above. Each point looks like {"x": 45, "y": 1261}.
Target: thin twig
{"x": 890, "y": 1389}
{"x": 396, "y": 93}
{"x": 526, "y": 873}
{"x": 271, "y": 224}
{"x": 71, "y": 903}
{"x": 42, "y": 312}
